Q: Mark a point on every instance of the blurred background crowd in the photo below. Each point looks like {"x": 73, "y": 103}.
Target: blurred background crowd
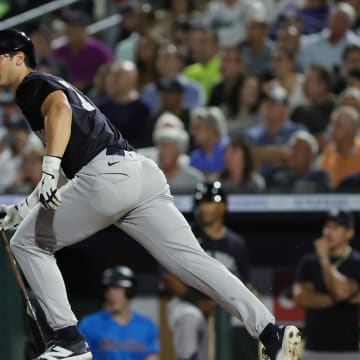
{"x": 263, "y": 95}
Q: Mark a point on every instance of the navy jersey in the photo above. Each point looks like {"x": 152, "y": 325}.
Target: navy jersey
{"x": 320, "y": 332}
{"x": 231, "y": 251}
{"x": 91, "y": 131}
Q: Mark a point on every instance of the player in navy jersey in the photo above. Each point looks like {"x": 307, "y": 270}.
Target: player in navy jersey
{"x": 109, "y": 184}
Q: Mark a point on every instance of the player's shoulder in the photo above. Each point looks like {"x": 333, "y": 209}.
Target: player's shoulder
{"x": 37, "y": 80}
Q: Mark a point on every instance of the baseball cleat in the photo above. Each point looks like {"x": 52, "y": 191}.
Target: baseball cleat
{"x": 78, "y": 351}
{"x": 286, "y": 346}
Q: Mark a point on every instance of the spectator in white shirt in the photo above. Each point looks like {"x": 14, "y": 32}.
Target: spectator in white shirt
{"x": 328, "y": 46}
{"x": 230, "y": 17}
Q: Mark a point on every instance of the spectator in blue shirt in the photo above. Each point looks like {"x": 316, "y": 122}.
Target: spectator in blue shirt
{"x": 209, "y": 133}
{"x": 275, "y": 132}
{"x": 118, "y": 333}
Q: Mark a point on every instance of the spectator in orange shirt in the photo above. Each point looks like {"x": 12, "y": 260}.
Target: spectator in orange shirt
{"x": 341, "y": 157}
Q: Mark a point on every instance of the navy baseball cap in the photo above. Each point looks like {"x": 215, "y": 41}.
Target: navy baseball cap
{"x": 342, "y": 217}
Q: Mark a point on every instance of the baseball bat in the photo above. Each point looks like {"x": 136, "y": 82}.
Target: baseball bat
{"x": 29, "y": 308}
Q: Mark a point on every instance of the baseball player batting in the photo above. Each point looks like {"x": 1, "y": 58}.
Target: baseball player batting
{"x": 109, "y": 183}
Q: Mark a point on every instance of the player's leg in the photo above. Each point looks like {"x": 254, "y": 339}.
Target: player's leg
{"x": 165, "y": 233}
{"x": 90, "y": 202}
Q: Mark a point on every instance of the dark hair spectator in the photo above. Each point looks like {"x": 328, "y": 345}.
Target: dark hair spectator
{"x": 350, "y": 63}
{"x": 283, "y": 66}
{"x": 41, "y": 37}
{"x": 240, "y": 174}
{"x": 145, "y": 59}
{"x": 138, "y": 19}
{"x": 247, "y": 111}
{"x": 315, "y": 115}
{"x": 256, "y": 48}
{"x": 171, "y": 99}
{"x": 288, "y": 38}
{"x": 224, "y": 94}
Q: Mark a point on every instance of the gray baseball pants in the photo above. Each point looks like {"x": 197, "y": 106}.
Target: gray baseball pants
{"x": 132, "y": 194}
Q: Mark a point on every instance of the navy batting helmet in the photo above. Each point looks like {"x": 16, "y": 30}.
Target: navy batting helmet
{"x": 120, "y": 276}
{"x": 212, "y": 192}
{"x": 12, "y": 40}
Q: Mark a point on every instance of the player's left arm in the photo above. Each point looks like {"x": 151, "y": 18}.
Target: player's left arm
{"x": 57, "y": 114}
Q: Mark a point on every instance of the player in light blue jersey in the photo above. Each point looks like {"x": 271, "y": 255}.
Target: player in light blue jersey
{"x": 118, "y": 333}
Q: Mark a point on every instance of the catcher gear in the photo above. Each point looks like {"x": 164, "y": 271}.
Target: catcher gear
{"x": 49, "y": 194}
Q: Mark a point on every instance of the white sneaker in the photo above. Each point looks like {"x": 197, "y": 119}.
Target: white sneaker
{"x": 78, "y": 351}
{"x": 286, "y": 346}
{"x": 290, "y": 344}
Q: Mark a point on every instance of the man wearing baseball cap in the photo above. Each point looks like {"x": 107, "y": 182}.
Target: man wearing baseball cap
{"x": 328, "y": 287}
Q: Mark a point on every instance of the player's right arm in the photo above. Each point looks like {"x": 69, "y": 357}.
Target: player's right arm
{"x": 304, "y": 295}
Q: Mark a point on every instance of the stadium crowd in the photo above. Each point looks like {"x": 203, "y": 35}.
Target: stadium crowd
{"x": 263, "y": 94}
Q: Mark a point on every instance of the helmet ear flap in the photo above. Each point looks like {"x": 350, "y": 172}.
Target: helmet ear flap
{"x": 130, "y": 292}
